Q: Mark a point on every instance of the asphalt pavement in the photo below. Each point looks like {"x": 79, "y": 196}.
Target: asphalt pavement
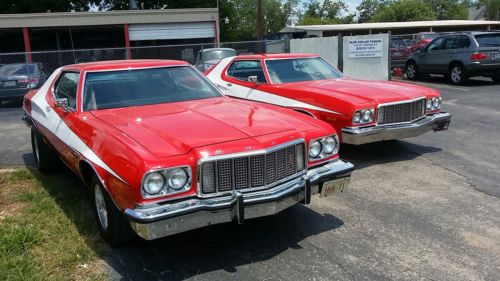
{"x": 425, "y": 208}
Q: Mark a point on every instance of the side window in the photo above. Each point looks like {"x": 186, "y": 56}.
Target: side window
{"x": 452, "y": 42}
{"x": 67, "y": 86}
{"x": 464, "y": 41}
{"x": 436, "y": 44}
{"x": 243, "y": 69}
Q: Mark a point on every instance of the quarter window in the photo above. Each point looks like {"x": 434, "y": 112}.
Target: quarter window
{"x": 66, "y": 87}
{"x": 243, "y": 69}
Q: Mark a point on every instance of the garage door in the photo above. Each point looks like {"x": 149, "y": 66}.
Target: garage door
{"x": 162, "y": 31}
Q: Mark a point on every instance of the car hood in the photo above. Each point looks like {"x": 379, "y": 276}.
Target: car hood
{"x": 176, "y": 128}
{"x": 358, "y": 92}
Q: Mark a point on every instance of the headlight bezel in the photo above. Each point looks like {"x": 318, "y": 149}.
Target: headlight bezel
{"x": 167, "y": 190}
{"x": 431, "y": 104}
{"x": 362, "y": 113}
{"x": 323, "y": 154}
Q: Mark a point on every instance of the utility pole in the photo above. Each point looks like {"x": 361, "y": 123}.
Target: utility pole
{"x": 259, "y": 26}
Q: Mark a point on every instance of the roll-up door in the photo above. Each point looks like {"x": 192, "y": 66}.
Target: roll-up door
{"x": 165, "y": 31}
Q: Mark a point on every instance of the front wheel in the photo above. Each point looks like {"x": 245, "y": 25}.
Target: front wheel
{"x": 411, "y": 71}
{"x": 457, "y": 74}
{"x": 113, "y": 226}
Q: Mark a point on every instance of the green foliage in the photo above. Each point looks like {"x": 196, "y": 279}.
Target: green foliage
{"x": 492, "y": 9}
{"x": 326, "y": 12}
{"x": 405, "y": 10}
{"x": 449, "y": 9}
{"x": 368, "y": 8}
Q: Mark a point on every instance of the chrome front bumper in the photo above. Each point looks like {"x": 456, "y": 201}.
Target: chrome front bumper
{"x": 435, "y": 122}
{"x": 171, "y": 218}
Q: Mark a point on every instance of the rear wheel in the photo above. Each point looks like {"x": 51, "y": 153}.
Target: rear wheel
{"x": 113, "y": 226}
{"x": 46, "y": 160}
{"x": 457, "y": 74}
{"x": 411, "y": 70}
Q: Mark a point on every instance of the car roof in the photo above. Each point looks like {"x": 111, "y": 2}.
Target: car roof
{"x": 123, "y": 64}
{"x": 217, "y": 49}
{"x": 277, "y": 56}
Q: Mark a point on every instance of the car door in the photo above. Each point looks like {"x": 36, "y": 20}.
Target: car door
{"x": 237, "y": 80}
{"x": 446, "y": 55}
{"x": 65, "y": 87}
{"x": 427, "y": 62}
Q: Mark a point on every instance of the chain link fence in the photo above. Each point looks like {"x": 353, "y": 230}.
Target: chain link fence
{"x": 20, "y": 72}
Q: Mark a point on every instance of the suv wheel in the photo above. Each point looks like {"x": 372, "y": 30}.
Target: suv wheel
{"x": 411, "y": 71}
{"x": 457, "y": 74}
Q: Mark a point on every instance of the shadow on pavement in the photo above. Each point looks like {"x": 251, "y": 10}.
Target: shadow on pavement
{"x": 366, "y": 155}
{"x": 437, "y": 79}
{"x": 12, "y": 104}
{"x": 219, "y": 247}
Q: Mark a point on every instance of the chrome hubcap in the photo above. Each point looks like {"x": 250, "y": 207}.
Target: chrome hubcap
{"x": 456, "y": 74}
{"x": 410, "y": 71}
{"x": 100, "y": 206}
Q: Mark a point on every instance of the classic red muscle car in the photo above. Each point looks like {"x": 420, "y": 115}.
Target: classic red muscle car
{"x": 163, "y": 151}
{"x": 363, "y": 111}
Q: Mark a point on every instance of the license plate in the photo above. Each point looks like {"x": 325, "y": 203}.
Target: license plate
{"x": 9, "y": 83}
{"x": 334, "y": 186}
{"x": 495, "y": 55}
{"x": 397, "y": 54}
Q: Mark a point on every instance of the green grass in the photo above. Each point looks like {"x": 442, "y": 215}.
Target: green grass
{"x": 51, "y": 234}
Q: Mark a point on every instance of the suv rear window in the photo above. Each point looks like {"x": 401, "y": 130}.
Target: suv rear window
{"x": 486, "y": 40}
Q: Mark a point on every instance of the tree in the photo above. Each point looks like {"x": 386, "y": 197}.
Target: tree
{"x": 492, "y": 9}
{"x": 405, "y": 10}
{"x": 368, "y": 8}
{"x": 449, "y": 9}
{"x": 327, "y": 12}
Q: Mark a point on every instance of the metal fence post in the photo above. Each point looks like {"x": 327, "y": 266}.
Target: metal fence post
{"x": 389, "y": 56}
{"x": 286, "y": 44}
{"x": 340, "y": 52}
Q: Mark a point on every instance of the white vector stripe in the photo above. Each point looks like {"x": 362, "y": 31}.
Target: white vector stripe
{"x": 47, "y": 117}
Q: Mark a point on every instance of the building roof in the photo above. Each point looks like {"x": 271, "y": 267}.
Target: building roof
{"x": 387, "y": 25}
{"x": 107, "y": 18}
{"x": 477, "y": 12}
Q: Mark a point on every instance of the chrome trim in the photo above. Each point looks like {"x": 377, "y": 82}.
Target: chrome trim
{"x": 356, "y": 136}
{"x": 401, "y": 102}
{"x": 246, "y": 154}
{"x": 156, "y": 221}
{"x": 189, "y": 183}
{"x": 321, "y": 154}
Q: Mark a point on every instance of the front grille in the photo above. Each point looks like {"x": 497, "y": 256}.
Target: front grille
{"x": 401, "y": 112}
{"x": 253, "y": 171}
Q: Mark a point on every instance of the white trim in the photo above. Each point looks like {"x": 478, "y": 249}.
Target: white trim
{"x": 43, "y": 113}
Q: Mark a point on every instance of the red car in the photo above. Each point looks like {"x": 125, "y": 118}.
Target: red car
{"x": 163, "y": 151}
{"x": 363, "y": 111}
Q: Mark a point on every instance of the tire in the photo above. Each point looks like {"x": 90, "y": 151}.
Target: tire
{"x": 112, "y": 225}
{"x": 457, "y": 74}
{"x": 411, "y": 70}
{"x": 46, "y": 160}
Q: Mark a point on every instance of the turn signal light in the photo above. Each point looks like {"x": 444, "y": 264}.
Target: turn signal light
{"x": 478, "y": 56}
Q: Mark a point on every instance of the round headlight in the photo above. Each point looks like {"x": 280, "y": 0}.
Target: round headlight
{"x": 330, "y": 144}
{"x": 357, "y": 117}
{"x": 429, "y": 104}
{"x": 367, "y": 115}
{"x": 435, "y": 103}
{"x": 177, "y": 178}
{"x": 153, "y": 183}
{"x": 315, "y": 149}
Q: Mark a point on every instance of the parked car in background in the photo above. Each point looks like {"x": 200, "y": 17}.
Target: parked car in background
{"x": 163, "y": 151}
{"x": 363, "y": 111}
{"x": 400, "y": 51}
{"x": 458, "y": 57}
{"x": 207, "y": 58}
{"x": 17, "y": 79}
{"x": 422, "y": 39}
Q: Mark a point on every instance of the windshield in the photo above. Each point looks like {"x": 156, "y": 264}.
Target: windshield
{"x": 124, "y": 88}
{"x": 300, "y": 69}
{"x": 488, "y": 39}
{"x": 218, "y": 55}
{"x": 17, "y": 69}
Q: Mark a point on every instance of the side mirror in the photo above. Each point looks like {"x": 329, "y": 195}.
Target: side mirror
{"x": 253, "y": 79}
{"x": 63, "y": 104}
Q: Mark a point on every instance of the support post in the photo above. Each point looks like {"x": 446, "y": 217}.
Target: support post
{"x": 27, "y": 44}
{"x": 127, "y": 41}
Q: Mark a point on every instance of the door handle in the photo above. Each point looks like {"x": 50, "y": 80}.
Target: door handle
{"x": 229, "y": 84}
